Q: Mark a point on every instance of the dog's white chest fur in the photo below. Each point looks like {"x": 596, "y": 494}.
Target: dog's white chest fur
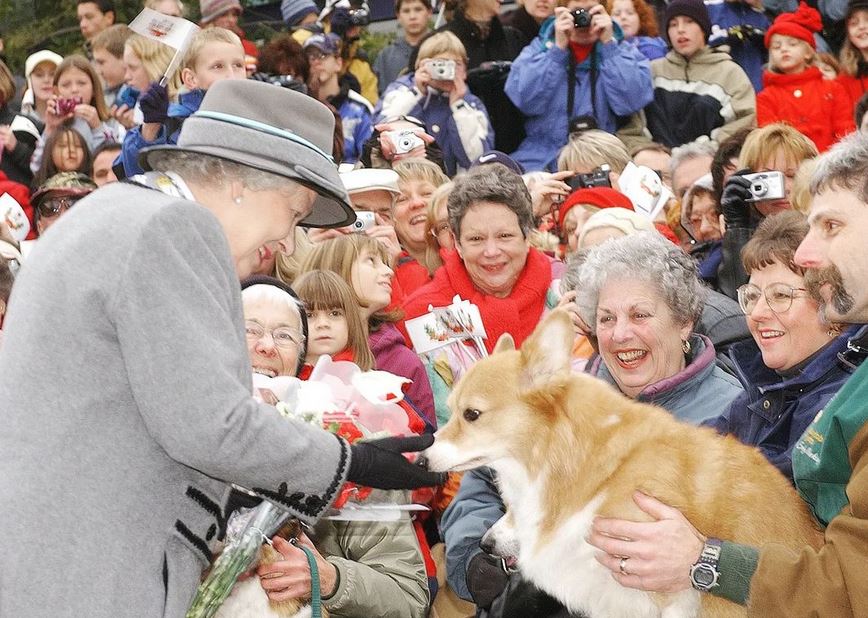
{"x": 248, "y": 600}
{"x": 564, "y": 565}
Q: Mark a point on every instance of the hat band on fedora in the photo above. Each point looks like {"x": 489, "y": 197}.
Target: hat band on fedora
{"x": 263, "y": 128}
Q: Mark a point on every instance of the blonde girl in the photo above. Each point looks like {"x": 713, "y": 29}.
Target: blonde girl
{"x": 365, "y": 264}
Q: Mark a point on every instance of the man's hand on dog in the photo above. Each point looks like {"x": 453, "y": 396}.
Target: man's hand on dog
{"x": 290, "y": 578}
{"x": 381, "y": 464}
{"x": 658, "y": 554}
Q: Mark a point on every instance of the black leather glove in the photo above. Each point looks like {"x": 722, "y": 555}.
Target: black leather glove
{"x": 485, "y": 579}
{"x": 154, "y": 104}
{"x": 734, "y": 200}
{"x": 380, "y": 464}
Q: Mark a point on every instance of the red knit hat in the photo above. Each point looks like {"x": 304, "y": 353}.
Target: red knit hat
{"x": 601, "y": 197}
{"x": 802, "y": 24}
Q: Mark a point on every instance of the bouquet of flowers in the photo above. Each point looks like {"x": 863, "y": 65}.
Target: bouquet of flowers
{"x": 342, "y": 399}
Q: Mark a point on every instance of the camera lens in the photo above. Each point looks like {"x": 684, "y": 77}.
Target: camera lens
{"x": 581, "y": 19}
{"x": 759, "y": 188}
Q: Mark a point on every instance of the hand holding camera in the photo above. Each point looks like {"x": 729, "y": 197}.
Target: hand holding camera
{"x": 396, "y": 140}
{"x": 735, "y": 200}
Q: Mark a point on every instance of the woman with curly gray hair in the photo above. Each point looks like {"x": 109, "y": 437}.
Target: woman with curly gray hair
{"x": 640, "y": 296}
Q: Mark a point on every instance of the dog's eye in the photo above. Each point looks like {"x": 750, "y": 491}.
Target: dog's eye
{"x": 471, "y": 414}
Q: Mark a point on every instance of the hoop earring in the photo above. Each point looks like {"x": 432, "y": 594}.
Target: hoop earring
{"x": 685, "y": 346}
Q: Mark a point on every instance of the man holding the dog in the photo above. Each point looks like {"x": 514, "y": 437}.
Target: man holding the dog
{"x": 124, "y": 378}
{"x": 830, "y": 462}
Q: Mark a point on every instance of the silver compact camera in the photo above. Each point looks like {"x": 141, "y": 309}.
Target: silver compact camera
{"x": 405, "y": 141}
{"x": 766, "y": 186}
{"x": 365, "y": 220}
{"x": 442, "y": 70}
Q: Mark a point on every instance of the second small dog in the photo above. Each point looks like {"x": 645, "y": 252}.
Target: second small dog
{"x": 249, "y": 600}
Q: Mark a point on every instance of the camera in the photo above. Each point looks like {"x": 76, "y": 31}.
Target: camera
{"x": 598, "y": 178}
{"x": 365, "y": 220}
{"x": 405, "y": 141}
{"x": 581, "y": 18}
{"x": 284, "y": 81}
{"x": 442, "y": 69}
{"x": 766, "y": 186}
{"x": 67, "y": 106}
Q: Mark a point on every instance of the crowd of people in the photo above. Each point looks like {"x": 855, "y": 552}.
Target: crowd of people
{"x": 297, "y": 200}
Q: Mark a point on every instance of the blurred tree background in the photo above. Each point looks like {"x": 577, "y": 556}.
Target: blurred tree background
{"x": 29, "y": 25}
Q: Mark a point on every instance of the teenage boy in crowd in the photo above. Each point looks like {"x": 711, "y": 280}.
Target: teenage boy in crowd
{"x": 328, "y": 85}
{"x": 94, "y": 16}
{"x": 413, "y": 17}
{"x": 108, "y": 58}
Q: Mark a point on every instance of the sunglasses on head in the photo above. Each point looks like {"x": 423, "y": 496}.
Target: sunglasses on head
{"x": 53, "y": 206}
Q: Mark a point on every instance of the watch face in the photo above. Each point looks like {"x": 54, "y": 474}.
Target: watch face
{"x": 703, "y": 575}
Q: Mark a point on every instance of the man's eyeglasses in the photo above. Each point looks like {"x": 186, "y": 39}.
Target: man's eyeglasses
{"x": 779, "y": 296}
{"x": 283, "y": 337}
{"x": 53, "y": 206}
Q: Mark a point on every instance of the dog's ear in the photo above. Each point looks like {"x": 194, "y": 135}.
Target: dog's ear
{"x": 504, "y": 344}
{"x": 547, "y": 352}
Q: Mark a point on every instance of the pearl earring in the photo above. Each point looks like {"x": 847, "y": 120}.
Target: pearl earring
{"x": 237, "y": 200}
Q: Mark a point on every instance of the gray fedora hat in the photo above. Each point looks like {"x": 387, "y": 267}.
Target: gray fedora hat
{"x": 272, "y": 129}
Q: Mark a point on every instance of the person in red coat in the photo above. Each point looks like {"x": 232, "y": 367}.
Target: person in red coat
{"x": 21, "y": 194}
{"x": 492, "y": 266}
{"x": 794, "y": 90}
{"x": 853, "y": 57}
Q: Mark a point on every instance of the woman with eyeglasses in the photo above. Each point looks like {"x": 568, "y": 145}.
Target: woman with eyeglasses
{"x": 57, "y": 195}
{"x": 365, "y": 568}
{"x": 796, "y": 370}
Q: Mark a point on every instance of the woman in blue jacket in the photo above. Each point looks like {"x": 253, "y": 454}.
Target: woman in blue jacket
{"x": 797, "y": 369}
{"x": 609, "y": 79}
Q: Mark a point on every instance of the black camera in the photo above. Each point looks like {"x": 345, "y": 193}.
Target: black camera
{"x": 598, "y": 178}
{"x": 581, "y": 18}
{"x": 284, "y": 81}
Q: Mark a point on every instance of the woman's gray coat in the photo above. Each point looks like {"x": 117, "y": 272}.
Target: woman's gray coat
{"x": 126, "y": 412}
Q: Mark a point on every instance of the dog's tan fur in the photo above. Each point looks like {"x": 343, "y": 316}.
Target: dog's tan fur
{"x": 580, "y": 438}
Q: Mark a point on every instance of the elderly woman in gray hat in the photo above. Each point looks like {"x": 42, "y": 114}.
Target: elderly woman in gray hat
{"x": 643, "y": 320}
{"x": 124, "y": 377}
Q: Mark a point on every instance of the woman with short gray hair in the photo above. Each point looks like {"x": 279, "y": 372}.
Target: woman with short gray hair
{"x": 643, "y": 321}
{"x": 493, "y": 266}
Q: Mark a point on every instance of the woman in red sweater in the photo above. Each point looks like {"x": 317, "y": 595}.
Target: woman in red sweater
{"x": 794, "y": 90}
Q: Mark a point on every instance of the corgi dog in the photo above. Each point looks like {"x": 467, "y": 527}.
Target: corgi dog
{"x": 249, "y": 600}
{"x": 568, "y": 447}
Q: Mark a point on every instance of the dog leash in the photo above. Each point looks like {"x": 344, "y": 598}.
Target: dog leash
{"x": 315, "y": 592}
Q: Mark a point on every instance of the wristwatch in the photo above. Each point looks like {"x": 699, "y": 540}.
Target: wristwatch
{"x": 704, "y": 574}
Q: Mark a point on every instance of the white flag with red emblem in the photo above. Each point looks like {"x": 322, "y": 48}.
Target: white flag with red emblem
{"x": 176, "y": 32}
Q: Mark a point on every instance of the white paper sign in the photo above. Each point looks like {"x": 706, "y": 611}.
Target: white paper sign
{"x": 645, "y": 189}
{"x": 14, "y": 217}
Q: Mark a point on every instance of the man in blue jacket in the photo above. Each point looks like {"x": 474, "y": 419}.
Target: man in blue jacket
{"x": 579, "y": 49}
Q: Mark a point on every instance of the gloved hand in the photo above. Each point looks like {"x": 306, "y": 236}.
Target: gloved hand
{"x": 380, "y": 464}
{"x": 155, "y": 104}
{"x": 734, "y": 203}
{"x": 485, "y": 578}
